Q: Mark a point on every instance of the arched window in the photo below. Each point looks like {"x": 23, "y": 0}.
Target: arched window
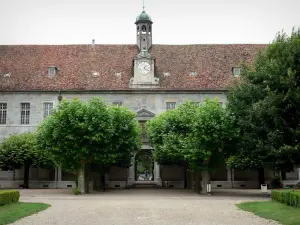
{"x": 149, "y": 29}
{"x": 138, "y": 30}
{"x": 144, "y": 29}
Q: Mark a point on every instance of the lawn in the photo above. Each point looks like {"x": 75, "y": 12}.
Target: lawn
{"x": 15, "y": 211}
{"x": 282, "y": 213}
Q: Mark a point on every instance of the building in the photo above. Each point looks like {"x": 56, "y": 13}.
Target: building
{"x": 146, "y": 78}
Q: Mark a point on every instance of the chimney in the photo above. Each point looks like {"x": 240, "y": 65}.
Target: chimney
{"x": 93, "y": 42}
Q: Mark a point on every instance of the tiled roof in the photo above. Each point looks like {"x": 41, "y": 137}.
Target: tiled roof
{"x": 25, "y": 67}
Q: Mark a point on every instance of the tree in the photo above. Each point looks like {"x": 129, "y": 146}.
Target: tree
{"x": 193, "y": 135}
{"x": 80, "y": 134}
{"x": 267, "y": 111}
{"x": 212, "y": 129}
{"x": 21, "y": 151}
{"x": 166, "y": 132}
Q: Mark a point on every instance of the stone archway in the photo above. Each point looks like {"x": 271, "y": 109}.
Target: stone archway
{"x": 144, "y": 165}
{"x": 143, "y": 116}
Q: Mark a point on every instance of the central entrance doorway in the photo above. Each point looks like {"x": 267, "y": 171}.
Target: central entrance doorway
{"x": 144, "y": 165}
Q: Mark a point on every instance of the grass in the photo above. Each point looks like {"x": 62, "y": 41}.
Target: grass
{"x": 273, "y": 210}
{"x": 13, "y": 212}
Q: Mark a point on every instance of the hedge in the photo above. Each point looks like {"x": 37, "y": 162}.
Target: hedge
{"x": 290, "y": 198}
{"x": 9, "y": 196}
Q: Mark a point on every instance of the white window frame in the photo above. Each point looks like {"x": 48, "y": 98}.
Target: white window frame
{"x": 25, "y": 113}
{"x": 3, "y": 113}
{"x": 236, "y": 71}
{"x": 170, "y": 105}
{"x": 193, "y": 73}
{"x": 52, "y": 71}
{"x": 47, "y": 110}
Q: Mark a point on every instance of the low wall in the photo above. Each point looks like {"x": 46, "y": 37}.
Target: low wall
{"x": 37, "y": 184}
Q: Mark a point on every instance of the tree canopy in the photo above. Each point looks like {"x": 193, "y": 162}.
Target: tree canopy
{"x": 21, "y": 150}
{"x": 81, "y": 133}
{"x": 192, "y": 134}
{"x": 266, "y": 107}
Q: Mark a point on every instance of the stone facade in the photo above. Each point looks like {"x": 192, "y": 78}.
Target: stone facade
{"x": 146, "y": 78}
{"x": 147, "y": 104}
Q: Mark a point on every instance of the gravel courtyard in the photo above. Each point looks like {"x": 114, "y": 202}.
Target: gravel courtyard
{"x": 139, "y": 207}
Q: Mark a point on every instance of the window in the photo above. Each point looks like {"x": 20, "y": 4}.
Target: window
{"x": 193, "y": 74}
{"x": 236, "y": 71}
{"x": 118, "y": 103}
{"x": 144, "y": 29}
{"x": 25, "y": 113}
{"x": 3, "y": 113}
{"x": 48, "y": 107}
{"x": 170, "y": 105}
{"x": 166, "y": 74}
{"x": 52, "y": 70}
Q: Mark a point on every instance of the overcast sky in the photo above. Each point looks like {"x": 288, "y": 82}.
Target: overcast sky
{"x": 175, "y": 21}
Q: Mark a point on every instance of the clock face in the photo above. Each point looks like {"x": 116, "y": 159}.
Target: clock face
{"x": 144, "y": 68}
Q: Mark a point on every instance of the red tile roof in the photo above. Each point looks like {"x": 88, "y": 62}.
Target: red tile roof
{"x": 28, "y": 66}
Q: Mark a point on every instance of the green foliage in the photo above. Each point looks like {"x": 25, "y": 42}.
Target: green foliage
{"x": 212, "y": 129}
{"x": 277, "y": 182}
{"x": 144, "y": 162}
{"x": 290, "y": 198}
{"x": 76, "y": 191}
{"x": 9, "y": 196}
{"x": 21, "y": 149}
{"x": 191, "y": 133}
{"x": 266, "y": 107}
{"x": 169, "y": 131}
{"x": 80, "y": 132}
{"x": 13, "y": 212}
{"x": 273, "y": 210}
{"x": 126, "y": 138}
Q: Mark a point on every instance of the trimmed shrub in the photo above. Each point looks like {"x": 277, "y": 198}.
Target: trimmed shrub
{"x": 76, "y": 191}
{"x": 9, "y": 196}
{"x": 288, "y": 197}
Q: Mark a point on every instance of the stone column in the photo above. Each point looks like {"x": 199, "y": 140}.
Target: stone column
{"x": 299, "y": 174}
{"x": 131, "y": 173}
{"x": 157, "y": 178}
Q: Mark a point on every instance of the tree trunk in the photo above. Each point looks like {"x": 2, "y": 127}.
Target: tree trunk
{"x": 185, "y": 178}
{"x": 205, "y": 180}
{"x": 26, "y": 176}
{"x": 103, "y": 181}
{"x": 83, "y": 180}
{"x": 197, "y": 184}
{"x": 261, "y": 176}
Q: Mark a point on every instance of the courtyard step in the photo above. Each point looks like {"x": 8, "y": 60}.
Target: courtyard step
{"x": 145, "y": 184}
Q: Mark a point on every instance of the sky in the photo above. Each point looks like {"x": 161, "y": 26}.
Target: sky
{"x": 175, "y": 22}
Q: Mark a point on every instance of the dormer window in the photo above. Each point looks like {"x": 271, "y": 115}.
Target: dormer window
{"x": 236, "y": 71}
{"x": 193, "y": 74}
{"x": 52, "y": 70}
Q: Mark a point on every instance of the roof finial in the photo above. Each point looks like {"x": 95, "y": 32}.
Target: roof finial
{"x": 143, "y": 5}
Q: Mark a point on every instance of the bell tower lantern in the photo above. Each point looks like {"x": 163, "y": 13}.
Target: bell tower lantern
{"x": 144, "y": 31}
{"x": 143, "y": 63}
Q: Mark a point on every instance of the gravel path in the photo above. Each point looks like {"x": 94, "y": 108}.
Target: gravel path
{"x": 138, "y": 207}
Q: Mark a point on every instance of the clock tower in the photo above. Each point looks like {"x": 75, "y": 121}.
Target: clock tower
{"x": 144, "y": 63}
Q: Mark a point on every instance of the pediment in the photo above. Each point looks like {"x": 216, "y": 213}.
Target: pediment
{"x": 145, "y": 113}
